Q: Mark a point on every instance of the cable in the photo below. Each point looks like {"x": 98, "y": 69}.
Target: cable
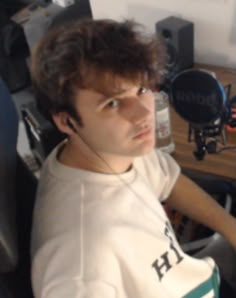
{"x": 226, "y": 148}
{"x": 118, "y": 175}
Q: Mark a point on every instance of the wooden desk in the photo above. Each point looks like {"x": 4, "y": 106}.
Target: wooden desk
{"x": 222, "y": 165}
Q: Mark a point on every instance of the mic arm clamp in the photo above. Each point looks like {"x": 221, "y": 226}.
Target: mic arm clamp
{"x": 200, "y": 141}
{"x": 200, "y": 136}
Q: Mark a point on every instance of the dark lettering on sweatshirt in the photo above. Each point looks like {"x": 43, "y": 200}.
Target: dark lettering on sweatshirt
{"x": 169, "y": 258}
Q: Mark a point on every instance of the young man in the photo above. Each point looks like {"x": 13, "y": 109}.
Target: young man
{"x": 99, "y": 226}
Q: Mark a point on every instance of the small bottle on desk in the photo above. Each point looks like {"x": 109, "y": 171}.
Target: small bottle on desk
{"x": 164, "y": 140}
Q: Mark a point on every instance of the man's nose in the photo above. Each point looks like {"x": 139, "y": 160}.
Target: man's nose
{"x": 141, "y": 111}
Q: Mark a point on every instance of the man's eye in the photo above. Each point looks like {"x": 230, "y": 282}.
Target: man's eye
{"x": 142, "y": 90}
{"x": 114, "y": 103}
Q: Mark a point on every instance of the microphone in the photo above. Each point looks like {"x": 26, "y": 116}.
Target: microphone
{"x": 201, "y": 100}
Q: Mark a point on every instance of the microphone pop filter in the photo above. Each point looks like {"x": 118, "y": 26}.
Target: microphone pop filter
{"x": 197, "y": 96}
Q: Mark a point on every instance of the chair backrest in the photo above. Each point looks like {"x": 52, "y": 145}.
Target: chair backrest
{"x": 8, "y": 160}
{"x": 17, "y": 195}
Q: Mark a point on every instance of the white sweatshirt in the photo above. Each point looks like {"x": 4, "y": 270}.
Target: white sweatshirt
{"x": 108, "y": 236}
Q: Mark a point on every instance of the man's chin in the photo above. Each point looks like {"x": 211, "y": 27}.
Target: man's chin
{"x": 144, "y": 149}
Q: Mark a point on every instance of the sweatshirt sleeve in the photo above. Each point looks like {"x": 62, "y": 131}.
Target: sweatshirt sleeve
{"x": 170, "y": 171}
{"x": 161, "y": 171}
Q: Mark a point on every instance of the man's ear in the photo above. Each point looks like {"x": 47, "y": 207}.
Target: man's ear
{"x": 61, "y": 121}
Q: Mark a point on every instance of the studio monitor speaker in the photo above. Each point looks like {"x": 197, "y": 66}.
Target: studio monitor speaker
{"x": 178, "y": 35}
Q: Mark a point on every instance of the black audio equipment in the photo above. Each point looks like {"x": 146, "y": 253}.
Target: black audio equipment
{"x": 178, "y": 36}
{"x": 201, "y": 100}
{"x": 42, "y": 135}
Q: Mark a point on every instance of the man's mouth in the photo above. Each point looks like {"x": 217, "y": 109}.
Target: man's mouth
{"x": 147, "y": 132}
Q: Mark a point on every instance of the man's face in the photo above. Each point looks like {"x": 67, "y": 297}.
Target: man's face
{"x": 118, "y": 125}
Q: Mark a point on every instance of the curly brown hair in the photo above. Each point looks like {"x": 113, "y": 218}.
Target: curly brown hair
{"x": 92, "y": 54}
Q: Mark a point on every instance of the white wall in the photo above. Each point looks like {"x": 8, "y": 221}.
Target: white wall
{"x": 214, "y": 21}
{"x": 114, "y": 9}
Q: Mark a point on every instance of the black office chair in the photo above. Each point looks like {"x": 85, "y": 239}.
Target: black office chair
{"x": 17, "y": 193}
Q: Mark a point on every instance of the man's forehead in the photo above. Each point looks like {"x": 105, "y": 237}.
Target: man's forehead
{"x": 117, "y": 88}
{"x": 109, "y": 83}
{"x": 105, "y": 85}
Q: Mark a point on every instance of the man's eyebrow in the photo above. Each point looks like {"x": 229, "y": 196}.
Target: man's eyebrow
{"x": 112, "y": 95}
